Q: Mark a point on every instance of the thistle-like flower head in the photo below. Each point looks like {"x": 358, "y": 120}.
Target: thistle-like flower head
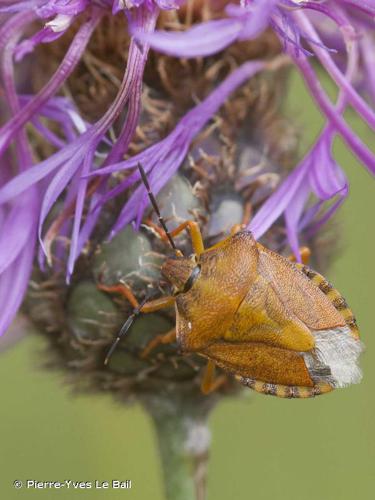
{"x": 53, "y": 156}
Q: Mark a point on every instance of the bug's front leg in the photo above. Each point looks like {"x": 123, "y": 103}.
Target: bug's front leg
{"x": 148, "y": 307}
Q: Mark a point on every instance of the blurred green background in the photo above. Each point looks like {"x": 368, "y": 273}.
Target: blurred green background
{"x": 263, "y": 448}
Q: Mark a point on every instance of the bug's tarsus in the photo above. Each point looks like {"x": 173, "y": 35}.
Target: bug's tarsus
{"x": 124, "y": 329}
{"x": 155, "y": 206}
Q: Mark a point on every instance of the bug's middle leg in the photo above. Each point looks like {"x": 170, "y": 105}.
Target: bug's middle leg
{"x": 235, "y": 229}
{"x": 147, "y": 307}
{"x": 210, "y": 382}
{"x": 164, "y": 338}
{"x": 195, "y": 234}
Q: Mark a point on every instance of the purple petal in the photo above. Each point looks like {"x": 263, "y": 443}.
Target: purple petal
{"x": 325, "y": 176}
{"x": 210, "y": 37}
{"x": 169, "y": 4}
{"x": 367, "y": 6}
{"x": 45, "y": 35}
{"x": 368, "y": 56}
{"x": 293, "y": 213}
{"x": 166, "y": 156}
{"x": 90, "y": 222}
{"x": 344, "y": 84}
{"x": 32, "y": 175}
{"x": 202, "y": 40}
{"x": 79, "y": 211}
{"x": 27, "y": 5}
{"x": 317, "y": 92}
{"x": 47, "y": 134}
{"x": 18, "y": 226}
{"x": 53, "y": 7}
{"x": 13, "y": 284}
{"x": 327, "y": 215}
{"x": 57, "y": 185}
{"x": 255, "y": 17}
{"x": 69, "y": 62}
{"x": 276, "y": 204}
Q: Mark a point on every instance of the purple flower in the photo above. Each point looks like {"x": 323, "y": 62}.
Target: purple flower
{"x": 163, "y": 159}
{"x": 293, "y": 194}
{"x": 28, "y": 191}
{"x": 27, "y": 197}
{"x": 61, "y": 111}
{"x": 71, "y": 59}
{"x": 290, "y": 21}
{"x": 318, "y": 173}
{"x": 210, "y": 37}
{"x": 78, "y": 154}
{"x": 16, "y": 247}
{"x": 57, "y": 14}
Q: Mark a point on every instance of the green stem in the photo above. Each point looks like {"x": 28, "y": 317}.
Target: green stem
{"x": 183, "y": 438}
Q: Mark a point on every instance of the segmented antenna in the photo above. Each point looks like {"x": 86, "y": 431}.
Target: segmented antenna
{"x": 128, "y": 323}
{"x": 155, "y": 205}
{"x": 124, "y": 329}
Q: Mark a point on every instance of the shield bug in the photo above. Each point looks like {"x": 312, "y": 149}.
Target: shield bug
{"x": 279, "y": 327}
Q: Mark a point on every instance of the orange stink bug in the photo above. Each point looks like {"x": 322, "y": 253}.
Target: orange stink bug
{"x": 277, "y": 326}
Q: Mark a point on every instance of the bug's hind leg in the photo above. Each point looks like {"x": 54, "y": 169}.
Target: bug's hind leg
{"x": 210, "y": 382}
{"x": 164, "y": 338}
{"x": 245, "y": 219}
{"x": 305, "y": 253}
{"x": 237, "y": 228}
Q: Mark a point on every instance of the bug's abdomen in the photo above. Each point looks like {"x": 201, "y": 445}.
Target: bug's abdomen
{"x": 334, "y": 296}
{"x": 285, "y": 391}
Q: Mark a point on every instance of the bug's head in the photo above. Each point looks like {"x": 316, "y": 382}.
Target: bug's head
{"x": 181, "y": 272}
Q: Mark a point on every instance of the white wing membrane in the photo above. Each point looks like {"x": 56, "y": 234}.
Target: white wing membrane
{"x": 335, "y": 357}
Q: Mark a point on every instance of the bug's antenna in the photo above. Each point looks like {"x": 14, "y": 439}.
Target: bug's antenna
{"x": 155, "y": 206}
{"x": 124, "y": 329}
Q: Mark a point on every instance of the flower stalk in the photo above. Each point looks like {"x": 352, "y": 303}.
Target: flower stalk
{"x": 183, "y": 439}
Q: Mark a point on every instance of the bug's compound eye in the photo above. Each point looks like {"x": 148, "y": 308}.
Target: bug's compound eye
{"x": 194, "y": 258}
{"x": 177, "y": 271}
{"x": 192, "y": 279}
